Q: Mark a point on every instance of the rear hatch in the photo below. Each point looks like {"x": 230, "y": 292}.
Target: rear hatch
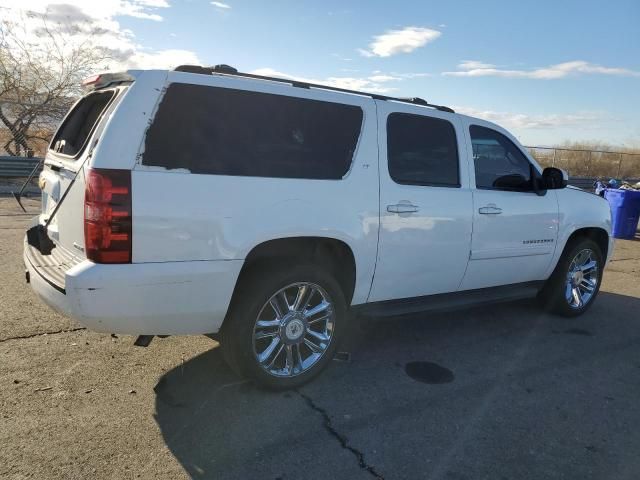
{"x": 69, "y": 154}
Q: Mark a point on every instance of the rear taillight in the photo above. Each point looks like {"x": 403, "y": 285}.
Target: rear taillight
{"x": 107, "y": 216}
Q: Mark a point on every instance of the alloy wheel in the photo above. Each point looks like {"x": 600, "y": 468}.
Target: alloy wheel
{"x": 582, "y": 279}
{"x": 293, "y": 329}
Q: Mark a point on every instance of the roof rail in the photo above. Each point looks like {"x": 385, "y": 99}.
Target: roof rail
{"x": 228, "y": 70}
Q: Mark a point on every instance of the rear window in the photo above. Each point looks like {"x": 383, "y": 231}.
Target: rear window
{"x": 223, "y": 131}
{"x": 72, "y": 136}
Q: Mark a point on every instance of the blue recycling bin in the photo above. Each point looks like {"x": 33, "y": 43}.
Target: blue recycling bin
{"x": 625, "y": 211}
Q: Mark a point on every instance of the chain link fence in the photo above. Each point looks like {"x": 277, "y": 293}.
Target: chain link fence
{"x": 589, "y": 163}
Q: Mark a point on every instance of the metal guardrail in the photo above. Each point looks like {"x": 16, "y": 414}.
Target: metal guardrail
{"x": 17, "y": 166}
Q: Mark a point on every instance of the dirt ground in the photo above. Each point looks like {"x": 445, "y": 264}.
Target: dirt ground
{"x": 523, "y": 395}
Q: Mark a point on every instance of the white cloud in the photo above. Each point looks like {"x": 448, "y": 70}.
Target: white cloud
{"x": 377, "y": 82}
{"x": 373, "y": 84}
{"x": 146, "y": 9}
{"x": 341, "y": 57}
{"x": 399, "y": 41}
{"x": 162, "y": 59}
{"x": 224, "y": 6}
{"x": 365, "y": 53}
{"x": 383, "y": 78}
{"x": 473, "y": 65}
{"x": 413, "y": 75}
{"x": 472, "y": 68}
{"x": 525, "y": 121}
{"x": 77, "y": 21}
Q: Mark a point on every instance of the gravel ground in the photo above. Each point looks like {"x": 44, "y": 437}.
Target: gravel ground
{"x": 513, "y": 393}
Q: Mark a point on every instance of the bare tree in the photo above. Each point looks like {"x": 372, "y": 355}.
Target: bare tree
{"x": 40, "y": 77}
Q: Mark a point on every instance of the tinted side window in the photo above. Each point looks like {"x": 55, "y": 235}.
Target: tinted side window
{"x": 498, "y": 161}
{"x": 225, "y": 131}
{"x": 422, "y": 150}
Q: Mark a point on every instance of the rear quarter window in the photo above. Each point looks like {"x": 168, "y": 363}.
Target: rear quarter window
{"x": 222, "y": 131}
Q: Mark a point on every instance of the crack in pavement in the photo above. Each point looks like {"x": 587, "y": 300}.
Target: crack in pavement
{"x": 22, "y": 337}
{"x": 344, "y": 441}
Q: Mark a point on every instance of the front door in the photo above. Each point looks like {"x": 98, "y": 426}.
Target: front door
{"x": 425, "y": 203}
{"x": 514, "y": 229}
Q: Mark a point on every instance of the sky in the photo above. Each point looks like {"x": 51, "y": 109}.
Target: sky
{"x": 549, "y": 71}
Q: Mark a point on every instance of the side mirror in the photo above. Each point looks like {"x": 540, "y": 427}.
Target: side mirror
{"x": 554, "y": 178}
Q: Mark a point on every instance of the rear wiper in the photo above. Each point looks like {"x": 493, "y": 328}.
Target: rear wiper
{"x": 18, "y": 196}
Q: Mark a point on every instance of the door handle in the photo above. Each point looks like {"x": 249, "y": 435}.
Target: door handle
{"x": 402, "y": 208}
{"x": 490, "y": 209}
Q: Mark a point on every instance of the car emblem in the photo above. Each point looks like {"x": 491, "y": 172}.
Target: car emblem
{"x": 42, "y": 183}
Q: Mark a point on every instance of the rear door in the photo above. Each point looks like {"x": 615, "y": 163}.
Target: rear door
{"x": 72, "y": 143}
{"x": 514, "y": 229}
{"x": 425, "y": 203}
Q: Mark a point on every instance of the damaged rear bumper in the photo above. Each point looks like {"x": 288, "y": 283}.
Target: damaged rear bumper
{"x": 141, "y": 299}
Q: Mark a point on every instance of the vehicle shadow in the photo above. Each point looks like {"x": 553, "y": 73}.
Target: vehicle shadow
{"x": 219, "y": 426}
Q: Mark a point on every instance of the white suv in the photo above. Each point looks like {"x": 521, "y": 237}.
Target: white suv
{"x": 204, "y": 200}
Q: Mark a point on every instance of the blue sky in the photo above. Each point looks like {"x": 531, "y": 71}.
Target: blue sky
{"x": 549, "y": 71}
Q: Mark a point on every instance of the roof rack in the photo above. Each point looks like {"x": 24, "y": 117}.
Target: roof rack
{"x": 228, "y": 70}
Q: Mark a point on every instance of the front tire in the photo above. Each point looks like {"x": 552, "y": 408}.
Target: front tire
{"x": 284, "y": 325}
{"x": 575, "y": 282}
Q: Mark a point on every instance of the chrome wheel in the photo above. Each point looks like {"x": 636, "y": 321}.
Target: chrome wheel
{"x": 293, "y": 329}
{"x": 582, "y": 279}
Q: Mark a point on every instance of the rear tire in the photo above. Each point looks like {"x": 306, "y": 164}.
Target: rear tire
{"x": 575, "y": 282}
{"x": 284, "y": 325}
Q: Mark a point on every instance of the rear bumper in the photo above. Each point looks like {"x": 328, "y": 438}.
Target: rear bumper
{"x": 142, "y": 299}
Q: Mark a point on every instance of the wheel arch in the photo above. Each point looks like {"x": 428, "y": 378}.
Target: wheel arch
{"x": 328, "y": 252}
{"x": 552, "y": 294}
{"x": 597, "y": 234}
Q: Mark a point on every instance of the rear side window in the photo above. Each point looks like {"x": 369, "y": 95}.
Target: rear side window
{"x": 422, "y": 151}
{"x": 223, "y": 131}
{"x": 74, "y": 132}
